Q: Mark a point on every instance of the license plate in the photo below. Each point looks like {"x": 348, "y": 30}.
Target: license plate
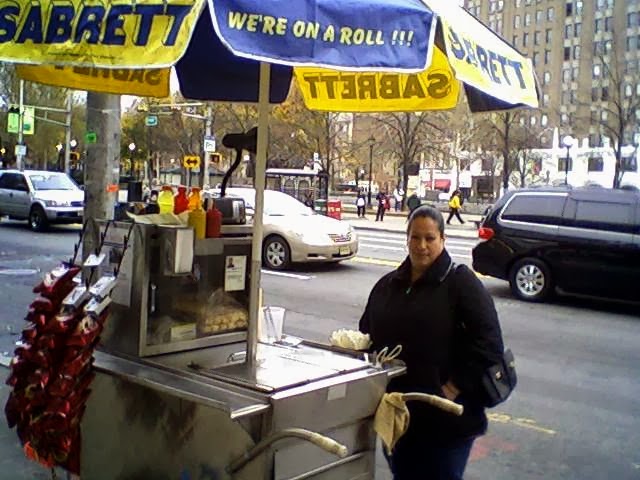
{"x": 345, "y": 251}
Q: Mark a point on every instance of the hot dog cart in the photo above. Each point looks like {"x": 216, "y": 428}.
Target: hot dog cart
{"x": 174, "y": 396}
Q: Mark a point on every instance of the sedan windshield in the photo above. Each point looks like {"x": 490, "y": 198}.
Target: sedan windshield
{"x": 52, "y": 182}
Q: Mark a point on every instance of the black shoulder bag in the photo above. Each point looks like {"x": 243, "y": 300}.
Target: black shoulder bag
{"x": 499, "y": 380}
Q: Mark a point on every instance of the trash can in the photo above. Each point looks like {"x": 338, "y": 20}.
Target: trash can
{"x": 334, "y": 209}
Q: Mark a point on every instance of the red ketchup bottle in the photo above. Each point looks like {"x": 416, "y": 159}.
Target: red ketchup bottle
{"x": 214, "y": 220}
{"x": 181, "y": 202}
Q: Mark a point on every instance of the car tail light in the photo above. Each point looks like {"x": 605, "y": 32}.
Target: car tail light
{"x": 485, "y": 233}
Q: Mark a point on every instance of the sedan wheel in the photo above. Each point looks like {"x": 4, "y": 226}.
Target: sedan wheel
{"x": 530, "y": 280}
{"x": 38, "y": 219}
{"x": 276, "y": 254}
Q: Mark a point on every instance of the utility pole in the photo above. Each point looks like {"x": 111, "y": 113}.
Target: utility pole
{"x": 102, "y": 165}
{"x": 19, "y": 164}
{"x": 207, "y": 134}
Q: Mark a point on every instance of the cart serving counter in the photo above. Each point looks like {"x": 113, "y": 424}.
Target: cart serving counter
{"x": 174, "y": 397}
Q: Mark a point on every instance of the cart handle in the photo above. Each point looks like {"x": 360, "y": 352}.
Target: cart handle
{"x": 436, "y": 401}
{"x": 322, "y": 441}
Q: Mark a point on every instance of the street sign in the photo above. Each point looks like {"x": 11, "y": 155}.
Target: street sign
{"x": 28, "y": 120}
{"x": 20, "y": 150}
{"x": 151, "y": 120}
{"x": 191, "y": 161}
{"x": 90, "y": 137}
{"x": 209, "y": 144}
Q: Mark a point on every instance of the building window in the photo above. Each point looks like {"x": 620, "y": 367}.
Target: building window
{"x": 604, "y": 115}
{"x": 567, "y": 54}
{"x": 544, "y": 120}
{"x": 517, "y": 3}
{"x": 525, "y": 39}
{"x": 545, "y": 99}
{"x": 500, "y": 5}
{"x": 527, "y": 19}
{"x": 605, "y": 95}
{"x": 566, "y": 75}
{"x": 562, "y": 164}
{"x": 574, "y": 73}
{"x": 566, "y": 98}
{"x": 633, "y": 19}
{"x": 539, "y": 16}
{"x": 546, "y": 78}
{"x": 608, "y": 24}
{"x": 573, "y": 96}
{"x": 599, "y": 24}
{"x": 548, "y": 36}
{"x": 596, "y": 71}
{"x": 516, "y": 21}
{"x": 596, "y": 164}
{"x": 628, "y": 90}
{"x": 536, "y": 58}
{"x": 608, "y": 44}
{"x": 594, "y": 116}
{"x": 576, "y": 52}
{"x": 567, "y": 32}
{"x": 629, "y": 164}
{"x": 595, "y": 95}
{"x": 547, "y": 56}
{"x": 569, "y": 9}
{"x": 499, "y": 26}
{"x": 550, "y": 13}
{"x": 578, "y": 7}
{"x": 564, "y": 119}
{"x": 515, "y": 40}
{"x": 536, "y": 38}
{"x": 600, "y": 4}
{"x": 594, "y": 140}
{"x": 492, "y": 7}
{"x": 577, "y": 29}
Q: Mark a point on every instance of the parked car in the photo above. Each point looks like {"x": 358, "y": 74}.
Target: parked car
{"x": 294, "y": 233}
{"x": 41, "y": 197}
{"x": 581, "y": 241}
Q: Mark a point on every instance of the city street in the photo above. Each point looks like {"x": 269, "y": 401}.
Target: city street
{"x": 575, "y": 413}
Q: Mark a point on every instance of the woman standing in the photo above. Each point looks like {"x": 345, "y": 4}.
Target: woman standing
{"x": 454, "y": 207}
{"x": 421, "y": 306}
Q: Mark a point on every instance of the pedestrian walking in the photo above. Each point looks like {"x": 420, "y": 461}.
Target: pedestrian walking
{"x": 421, "y": 306}
{"x": 382, "y": 205}
{"x": 454, "y": 207}
{"x": 360, "y": 204}
{"x": 398, "y": 195}
{"x": 413, "y": 202}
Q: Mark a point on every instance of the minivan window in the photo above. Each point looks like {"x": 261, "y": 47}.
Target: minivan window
{"x": 545, "y": 209}
{"x": 617, "y": 217}
{"x": 13, "y": 181}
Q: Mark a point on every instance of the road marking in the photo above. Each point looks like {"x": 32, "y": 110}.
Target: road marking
{"x": 289, "y": 275}
{"x": 19, "y": 271}
{"x": 520, "y": 421}
{"x": 376, "y": 261}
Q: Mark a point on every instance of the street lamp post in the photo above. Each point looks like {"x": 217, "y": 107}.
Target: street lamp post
{"x": 132, "y": 147}
{"x": 372, "y": 140}
{"x": 567, "y": 142}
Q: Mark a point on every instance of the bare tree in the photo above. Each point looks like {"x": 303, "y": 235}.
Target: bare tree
{"x": 618, "y": 102}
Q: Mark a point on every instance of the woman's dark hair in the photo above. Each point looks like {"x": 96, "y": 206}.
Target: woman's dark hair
{"x": 425, "y": 211}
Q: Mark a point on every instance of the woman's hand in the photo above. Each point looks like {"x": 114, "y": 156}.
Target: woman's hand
{"x": 450, "y": 391}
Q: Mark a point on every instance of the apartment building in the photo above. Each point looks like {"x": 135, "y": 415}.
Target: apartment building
{"x": 573, "y": 44}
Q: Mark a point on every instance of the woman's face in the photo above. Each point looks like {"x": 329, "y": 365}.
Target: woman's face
{"x": 425, "y": 243}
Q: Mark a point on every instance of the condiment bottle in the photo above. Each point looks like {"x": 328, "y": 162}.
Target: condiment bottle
{"x": 165, "y": 199}
{"x": 194, "y": 198}
{"x": 214, "y": 220}
{"x": 197, "y": 216}
{"x": 181, "y": 201}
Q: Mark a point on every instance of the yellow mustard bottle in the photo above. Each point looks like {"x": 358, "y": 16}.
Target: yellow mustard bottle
{"x": 165, "y": 199}
{"x": 197, "y": 215}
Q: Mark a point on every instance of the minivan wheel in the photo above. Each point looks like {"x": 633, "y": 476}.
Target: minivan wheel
{"x": 530, "y": 280}
{"x": 38, "y": 219}
{"x": 276, "y": 253}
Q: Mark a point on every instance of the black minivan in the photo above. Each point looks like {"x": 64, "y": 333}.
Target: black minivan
{"x": 577, "y": 240}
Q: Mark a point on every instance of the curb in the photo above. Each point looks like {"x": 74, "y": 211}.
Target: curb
{"x": 389, "y": 230}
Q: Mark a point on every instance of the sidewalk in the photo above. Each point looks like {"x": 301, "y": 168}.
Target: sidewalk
{"x": 397, "y": 223}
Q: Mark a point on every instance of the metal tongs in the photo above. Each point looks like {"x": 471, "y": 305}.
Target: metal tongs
{"x": 386, "y": 356}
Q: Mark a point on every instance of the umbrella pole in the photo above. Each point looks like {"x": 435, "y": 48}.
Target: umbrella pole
{"x": 258, "y": 182}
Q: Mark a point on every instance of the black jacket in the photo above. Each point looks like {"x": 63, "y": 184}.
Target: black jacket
{"x": 448, "y": 327}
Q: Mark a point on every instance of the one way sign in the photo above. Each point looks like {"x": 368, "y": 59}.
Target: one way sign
{"x": 191, "y": 161}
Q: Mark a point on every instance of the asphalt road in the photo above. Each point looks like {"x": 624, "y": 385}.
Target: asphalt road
{"x": 575, "y": 414}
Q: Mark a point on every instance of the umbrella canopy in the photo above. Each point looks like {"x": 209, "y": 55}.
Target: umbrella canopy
{"x": 229, "y": 37}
